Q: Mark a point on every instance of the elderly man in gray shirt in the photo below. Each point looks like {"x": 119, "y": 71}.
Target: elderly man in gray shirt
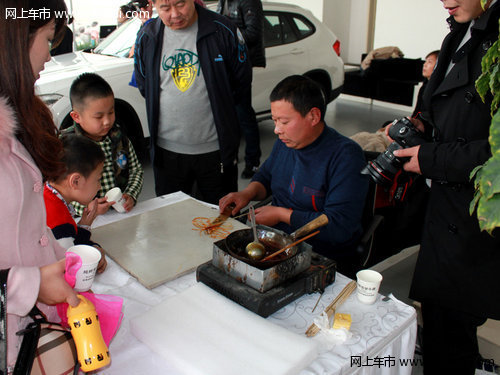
{"x": 192, "y": 67}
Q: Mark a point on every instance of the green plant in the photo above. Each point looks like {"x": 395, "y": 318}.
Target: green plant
{"x": 487, "y": 176}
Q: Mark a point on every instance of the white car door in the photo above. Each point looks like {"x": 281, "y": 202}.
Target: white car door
{"x": 285, "y": 55}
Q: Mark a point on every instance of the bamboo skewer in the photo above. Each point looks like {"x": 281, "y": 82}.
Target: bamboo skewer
{"x": 289, "y": 246}
{"x": 330, "y": 309}
{"x": 216, "y": 223}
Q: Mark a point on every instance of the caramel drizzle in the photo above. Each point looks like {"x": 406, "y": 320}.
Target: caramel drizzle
{"x": 204, "y": 226}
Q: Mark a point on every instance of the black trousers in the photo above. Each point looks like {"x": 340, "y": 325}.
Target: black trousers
{"x": 250, "y": 129}
{"x": 449, "y": 340}
{"x": 201, "y": 176}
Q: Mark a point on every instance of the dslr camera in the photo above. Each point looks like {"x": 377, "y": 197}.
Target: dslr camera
{"x": 384, "y": 168}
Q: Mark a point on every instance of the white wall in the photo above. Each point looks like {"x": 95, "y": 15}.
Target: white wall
{"x": 416, "y": 27}
{"x": 315, "y": 6}
{"x": 349, "y": 22}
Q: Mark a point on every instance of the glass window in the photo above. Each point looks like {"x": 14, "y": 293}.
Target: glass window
{"x": 272, "y": 30}
{"x": 289, "y": 35}
{"x": 303, "y": 26}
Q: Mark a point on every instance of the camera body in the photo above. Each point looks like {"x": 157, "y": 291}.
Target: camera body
{"x": 384, "y": 168}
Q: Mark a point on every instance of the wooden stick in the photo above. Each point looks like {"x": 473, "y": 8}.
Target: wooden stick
{"x": 289, "y": 246}
{"x": 330, "y": 309}
{"x": 219, "y": 223}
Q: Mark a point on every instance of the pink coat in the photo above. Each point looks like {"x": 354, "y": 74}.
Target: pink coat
{"x": 26, "y": 242}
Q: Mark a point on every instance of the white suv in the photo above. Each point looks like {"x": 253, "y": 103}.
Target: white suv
{"x": 295, "y": 41}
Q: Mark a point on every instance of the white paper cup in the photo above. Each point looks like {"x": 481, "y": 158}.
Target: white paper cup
{"x": 368, "y": 284}
{"x": 90, "y": 259}
{"x": 115, "y": 195}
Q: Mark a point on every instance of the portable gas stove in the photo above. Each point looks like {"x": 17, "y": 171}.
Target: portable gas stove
{"x": 265, "y": 291}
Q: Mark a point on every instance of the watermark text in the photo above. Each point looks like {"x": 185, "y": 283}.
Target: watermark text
{"x": 34, "y": 14}
{"x": 387, "y": 361}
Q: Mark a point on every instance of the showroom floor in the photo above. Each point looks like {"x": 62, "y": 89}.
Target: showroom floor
{"x": 348, "y": 115}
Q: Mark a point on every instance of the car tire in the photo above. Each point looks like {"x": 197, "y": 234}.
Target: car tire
{"x": 323, "y": 79}
{"x": 130, "y": 124}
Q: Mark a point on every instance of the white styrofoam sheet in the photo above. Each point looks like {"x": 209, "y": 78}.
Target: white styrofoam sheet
{"x": 199, "y": 331}
{"x": 160, "y": 245}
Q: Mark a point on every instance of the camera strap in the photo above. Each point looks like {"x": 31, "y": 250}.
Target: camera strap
{"x": 3, "y": 321}
{"x": 399, "y": 189}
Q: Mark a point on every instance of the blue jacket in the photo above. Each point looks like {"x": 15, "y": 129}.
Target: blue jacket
{"x": 321, "y": 178}
{"x": 226, "y": 69}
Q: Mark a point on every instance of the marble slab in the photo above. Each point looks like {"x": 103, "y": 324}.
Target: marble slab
{"x": 160, "y": 245}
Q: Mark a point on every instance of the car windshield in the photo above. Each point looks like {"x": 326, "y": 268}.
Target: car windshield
{"x": 120, "y": 41}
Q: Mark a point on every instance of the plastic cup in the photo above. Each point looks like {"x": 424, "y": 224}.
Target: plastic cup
{"x": 115, "y": 195}
{"x": 90, "y": 259}
{"x": 368, "y": 284}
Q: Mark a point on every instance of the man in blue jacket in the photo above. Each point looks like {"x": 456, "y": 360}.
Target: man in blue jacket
{"x": 312, "y": 170}
{"x": 192, "y": 67}
{"x": 249, "y": 17}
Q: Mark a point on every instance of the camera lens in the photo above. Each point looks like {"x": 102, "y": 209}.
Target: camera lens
{"x": 385, "y": 166}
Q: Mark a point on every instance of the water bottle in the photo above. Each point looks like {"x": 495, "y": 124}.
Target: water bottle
{"x": 90, "y": 346}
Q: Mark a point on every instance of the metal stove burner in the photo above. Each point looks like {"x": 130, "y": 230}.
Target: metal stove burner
{"x": 261, "y": 279}
{"x": 316, "y": 277}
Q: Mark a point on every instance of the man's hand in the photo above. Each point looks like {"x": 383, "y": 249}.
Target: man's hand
{"x": 239, "y": 199}
{"x": 416, "y": 123}
{"x": 53, "y": 288}
{"x": 272, "y": 215}
{"x": 412, "y": 165}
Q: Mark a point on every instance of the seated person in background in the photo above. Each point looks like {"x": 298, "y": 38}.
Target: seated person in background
{"x": 427, "y": 69}
{"x": 93, "y": 111}
{"x": 84, "y": 161}
{"x": 312, "y": 170}
{"x": 381, "y": 53}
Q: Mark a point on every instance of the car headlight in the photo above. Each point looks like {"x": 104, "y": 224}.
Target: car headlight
{"x": 50, "y": 99}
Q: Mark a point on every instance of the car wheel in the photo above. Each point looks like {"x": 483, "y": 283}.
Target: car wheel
{"x": 66, "y": 123}
{"x": 130, "y": 124}
{"x": 323, "y": 79}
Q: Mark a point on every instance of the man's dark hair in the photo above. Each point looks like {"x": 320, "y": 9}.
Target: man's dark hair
{"x": 141, "y": 3}
{"x": 88, "y": 85}
{"x": 81, "y": 155}
{"x": 302, "y": 92}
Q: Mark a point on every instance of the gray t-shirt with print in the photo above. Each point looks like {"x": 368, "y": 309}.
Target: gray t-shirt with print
{"x": 186, "y": 122}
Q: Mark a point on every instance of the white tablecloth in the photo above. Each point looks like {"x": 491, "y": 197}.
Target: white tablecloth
{"x": 383, "y": 334}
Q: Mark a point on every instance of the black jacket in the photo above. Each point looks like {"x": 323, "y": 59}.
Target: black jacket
{"x": 226, "y": 69}
{"x": 249, "y": 17}
{"x": 458, "y": 265}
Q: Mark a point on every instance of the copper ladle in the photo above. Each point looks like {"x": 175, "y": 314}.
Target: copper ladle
{"x": 255, "y": 250}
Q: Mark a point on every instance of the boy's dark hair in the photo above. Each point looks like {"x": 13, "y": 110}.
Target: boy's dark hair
{"x": 88, "y": 85}
{"x": 81, "y": 155}
{"x": 302, "y": 92}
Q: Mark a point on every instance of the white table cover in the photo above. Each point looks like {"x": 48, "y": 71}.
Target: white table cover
{"x": 383, "y": 334}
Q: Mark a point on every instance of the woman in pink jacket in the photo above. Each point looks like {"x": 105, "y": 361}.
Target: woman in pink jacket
{"x": 29, "y": 152}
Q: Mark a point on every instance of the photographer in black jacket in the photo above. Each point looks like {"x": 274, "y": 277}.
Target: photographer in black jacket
{"x": 456, "y": 275}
